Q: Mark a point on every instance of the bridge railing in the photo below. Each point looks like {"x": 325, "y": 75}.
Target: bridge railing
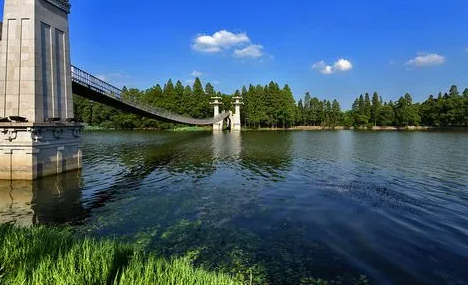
{"x": 94, "y": 83}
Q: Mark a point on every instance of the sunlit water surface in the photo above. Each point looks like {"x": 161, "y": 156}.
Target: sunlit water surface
{"x": 282, "y": 205}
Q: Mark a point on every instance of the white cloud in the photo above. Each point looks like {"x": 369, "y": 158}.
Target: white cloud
{"x": 322, "y": 67}
{"x": 252, "y": 51}
{"x": 426, "y": 59}
{"x": 196, "y": 73}
{"x": 342, "y": 65}
{"x": 218, "y": 41}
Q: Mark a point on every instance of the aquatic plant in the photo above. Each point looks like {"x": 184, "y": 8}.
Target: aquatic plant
{"x": 192, "y": 129}
{"x": 53, "y": 256}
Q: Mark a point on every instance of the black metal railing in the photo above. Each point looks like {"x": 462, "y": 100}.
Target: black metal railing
{"x": 94, "y": 83}
{"x": 98, "y": 85}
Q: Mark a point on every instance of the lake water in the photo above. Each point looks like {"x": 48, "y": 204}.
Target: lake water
{"x": 282, "y": 205}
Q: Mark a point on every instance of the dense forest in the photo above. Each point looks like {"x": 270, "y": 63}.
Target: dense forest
{"x": 274, "y": 106}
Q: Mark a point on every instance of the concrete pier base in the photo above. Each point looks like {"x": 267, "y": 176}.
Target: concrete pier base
{"x": 218, "y": 127}
{"x": 32, "y": 150}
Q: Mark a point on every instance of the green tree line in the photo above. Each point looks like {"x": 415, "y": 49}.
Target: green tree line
{"x": 449, "y": 109}
{"x": 274, "y": 106}
{"x": 313, "y": 111}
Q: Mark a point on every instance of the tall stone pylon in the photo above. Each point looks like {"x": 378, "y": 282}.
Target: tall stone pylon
{"x": 216, "y": 102}
{"x": 236, "y": 117}
{"x": 38, "y": 136}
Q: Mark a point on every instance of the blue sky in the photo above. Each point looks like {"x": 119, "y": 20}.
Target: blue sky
{"x": 331, "y": 48}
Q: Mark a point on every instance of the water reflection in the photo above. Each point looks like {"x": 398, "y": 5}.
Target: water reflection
{"x": 267, "y": 155}
{"x": 51, "y": 200}
{"x": 227, "y": 145}
{"x": 15, "y": 203}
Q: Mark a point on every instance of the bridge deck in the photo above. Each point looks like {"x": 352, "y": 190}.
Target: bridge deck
{"x": 93, "y": 88}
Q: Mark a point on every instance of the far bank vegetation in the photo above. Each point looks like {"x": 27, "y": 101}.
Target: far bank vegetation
{"x": 273, "y": 106}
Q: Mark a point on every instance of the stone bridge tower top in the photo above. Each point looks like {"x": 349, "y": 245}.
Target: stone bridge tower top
{"x": 62, "y": 4}
{"x": 35, "y": 72}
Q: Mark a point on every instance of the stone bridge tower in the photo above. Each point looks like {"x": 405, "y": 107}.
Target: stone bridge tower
{"x": 236, "y": 117}
{"x": 216, "y": 102}
{"x": 38, "y": 136}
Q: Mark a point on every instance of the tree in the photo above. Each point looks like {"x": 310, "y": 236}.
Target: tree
{"x": 386, "y": 115}
{"x": 406, "y": 113}
{"x": 348, "y": 119}
{"x": 169, "y": 97}
{"x": 367, "y": 107}
{"x": 453, "y": 91}
{"x": 227, "y": 102}
{"x": 287, "y": 107}
{"x": 180, "y": 99}
{"x": 187, "y": 100}
{"x": 246, "y": 99}
{"x": 153, "y": 96}
{"x": 429, "y": 112}
{"x": 272, "y": 95}
{"x": 300, "y": 113}
{"x": 200, "y": 101}
{"x": 307, "y": 109}
{"x": 359, "y": 112}
{"x": 375, "y": 108}
{"x": 259, "y": 112}
{"x": 335, "y": 113}
{"x": 315, "y": 111}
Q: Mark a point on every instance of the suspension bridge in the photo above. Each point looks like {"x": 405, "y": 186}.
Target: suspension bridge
{"x": 95, "y": 89}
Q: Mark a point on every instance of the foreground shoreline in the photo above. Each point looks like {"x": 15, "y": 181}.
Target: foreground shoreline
{"x": 54, "y": 255}
{"x": 40, "y": 255}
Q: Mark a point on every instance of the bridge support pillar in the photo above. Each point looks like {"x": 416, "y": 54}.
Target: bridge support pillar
{"x": 37, "y": 136}
{"x": 235, "y": 118}
{"x": 29, "y": 151}
{"x": 217, "y": 127}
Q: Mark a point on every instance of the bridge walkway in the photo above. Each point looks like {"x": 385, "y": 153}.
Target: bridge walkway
{"x": 95, "y": 89}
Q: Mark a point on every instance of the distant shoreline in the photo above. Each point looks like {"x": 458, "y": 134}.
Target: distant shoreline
{"x": 376, "y": 128}
{"x": 297, "y": 128}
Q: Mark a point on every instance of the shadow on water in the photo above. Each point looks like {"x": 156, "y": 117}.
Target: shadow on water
{"x": 48, "y": 201}
{"x": 189, "y": 154}
{"x": 267, "y": 155}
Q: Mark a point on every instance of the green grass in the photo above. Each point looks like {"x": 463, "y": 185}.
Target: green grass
{"x": 42, "y": 255}
{"x": 98, "y": 128}
{"x": 192, "y": 129}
